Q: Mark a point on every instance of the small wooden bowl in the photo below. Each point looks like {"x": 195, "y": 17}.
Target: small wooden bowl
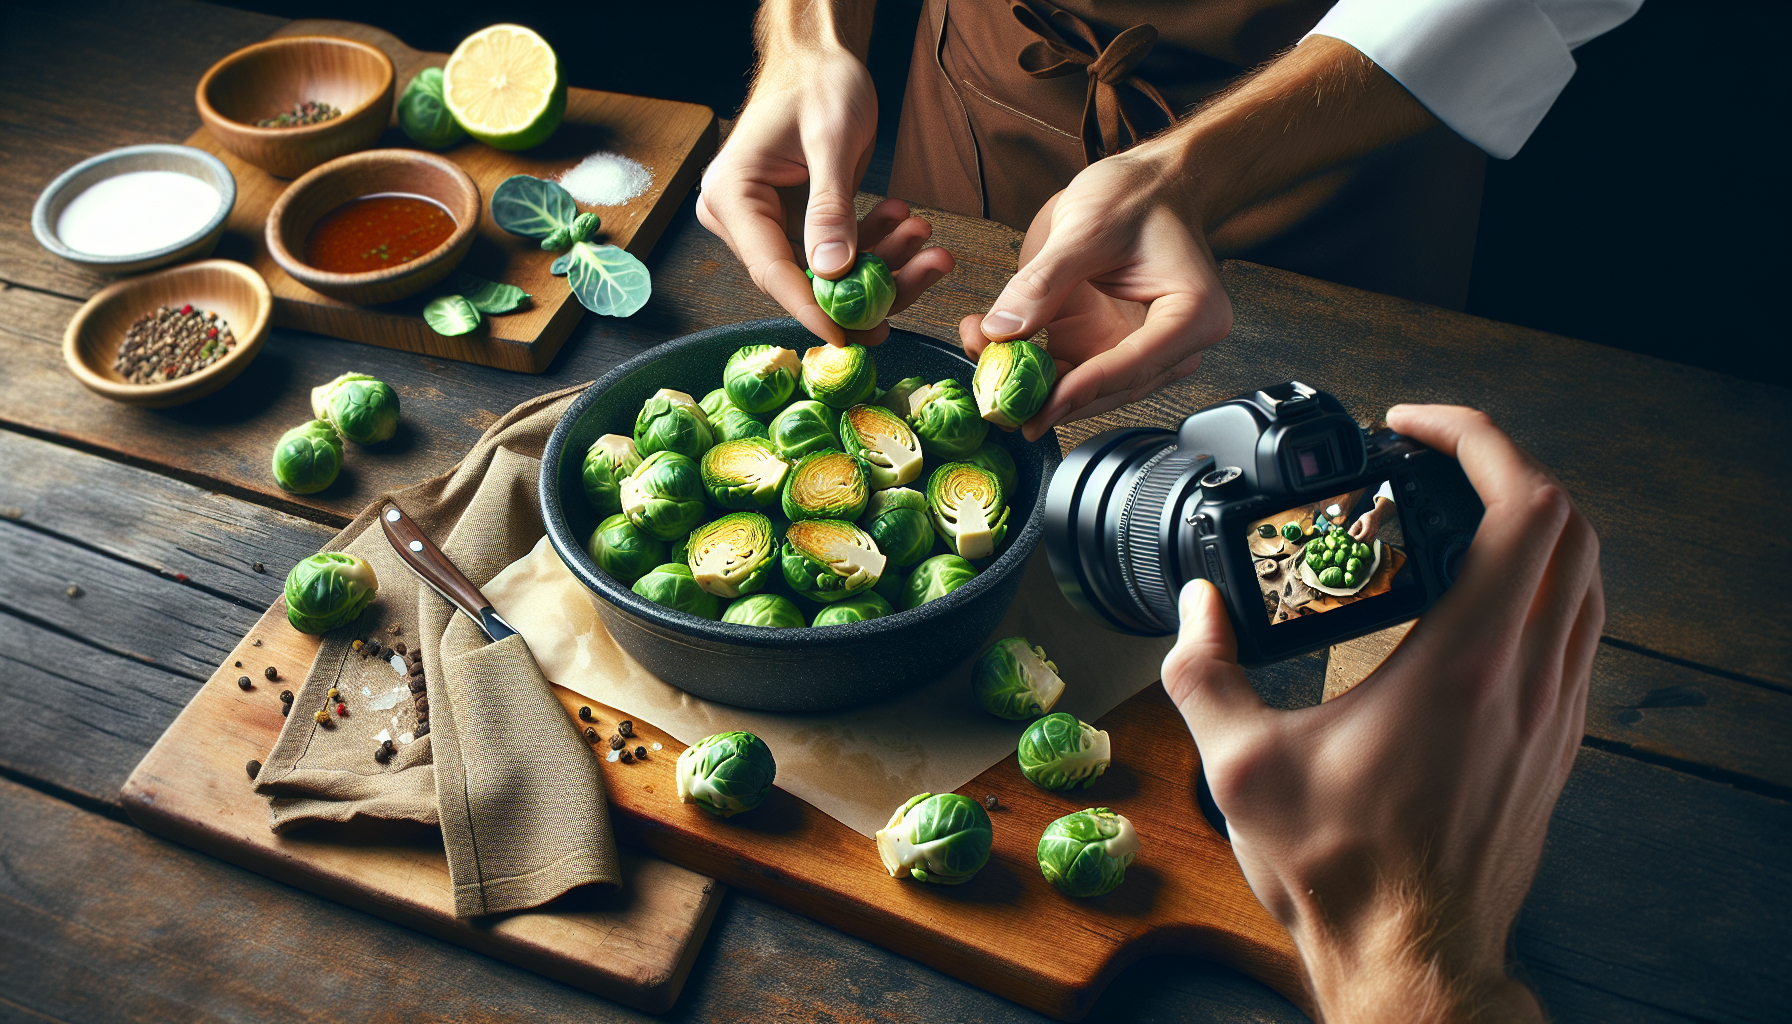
{"x": 235, "y": 292}
{"x": 263, "y": 80}
{"x": 71, "y": 183}
{"x": 379, "y": 171}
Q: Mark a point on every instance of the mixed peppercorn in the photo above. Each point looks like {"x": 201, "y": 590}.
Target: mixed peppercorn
{"x": 171, "y": 343}
{"x": 302, "y": 114}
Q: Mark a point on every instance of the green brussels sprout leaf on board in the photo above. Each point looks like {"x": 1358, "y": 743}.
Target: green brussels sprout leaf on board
{"x": 532, "y": 207}
{"x": 860, "y": 298}
{"x": 942, "y": 838}
{"x": 1012, "y": 381}
{"x": 1058, "y": 751}
{"x": 727, "y": 773}
{"x": 451, "y": 316}
{"x": 606, "y": 279}
{"x": 1015, "y": 680}
{"x": 328, "y": 590}
{"x": 489, "y": 297}
{"x": 732, "y": 556}
{"x": 1087, "y": 853}
{"x": 308, "y": 457}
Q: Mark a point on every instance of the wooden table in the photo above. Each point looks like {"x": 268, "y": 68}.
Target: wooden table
{"x": 1663, "y": 893}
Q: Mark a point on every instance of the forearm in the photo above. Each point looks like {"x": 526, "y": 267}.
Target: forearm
{"x": 788, "y": 30}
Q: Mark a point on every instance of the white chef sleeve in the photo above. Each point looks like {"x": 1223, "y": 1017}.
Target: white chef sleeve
{"x": 1490, "y": 69}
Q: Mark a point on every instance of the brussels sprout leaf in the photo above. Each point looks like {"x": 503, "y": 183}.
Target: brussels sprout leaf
{"x": 490, "y": 297}
{"x": 451, "y": 315}
{"x": 531, "y": 207}
{"x": 607, "y": 280}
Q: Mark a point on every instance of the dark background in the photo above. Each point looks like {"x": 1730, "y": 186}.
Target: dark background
{"x": 1649, "y": 212}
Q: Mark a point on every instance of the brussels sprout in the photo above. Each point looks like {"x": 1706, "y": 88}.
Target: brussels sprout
{"x": 622, "y": 550}
{"x": 1350, "y": 579}
{"x": 891, "y": 451}
{"x": 1362, "y": 551}
{"x": 609, "y": 459}
{"x": 993, "y": 456}
{"x": 733, "y": 555}
{"x": 946, "y": 418}
{"x": 363, "y": 409}
{"x": 861, "y": 298}
{"x": 1014, "y": 680}
{"x": 1353, "y": 565}
{"x": 839, "y": 376}
{"x": 671, "y": 585}
{"x": 680, "y": 551}
{"x": 867, "y": 605}
{"x": 423, "y": 113}
{"x": 664, "y": 495}
{"x": 770, "y": 610}
{"x": 1057, "y": 752}
{"x": 897, "y": 520}
{"x": 328, "y": 590}
{"x": 826, "y": 485}
{"x": 307, "y": 458}
{"x": 727, "y": 773}
{"x": 1011, "y": 382}
{"x": 804, "y": 428}
{"x": 935, "y": 578}
{"x": 1291, "y": 531}
{"x": 828, "y": 560}
{"x": 967, "y": 507}
{"x": 893, "y": 583}
{"x": 759, "y": 378}
{"x": 1266, "y": 531}
{"x": 896, "y": 399}
{"x": 943, "y": 838}
{"x": 744, "y": 473}
{"x": 1086, "y": 853}
{"x": 672, "y": 421}
{"x": 728, "y": 421}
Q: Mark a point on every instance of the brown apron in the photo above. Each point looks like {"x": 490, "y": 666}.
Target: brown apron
{"x": 1006, "y": 102}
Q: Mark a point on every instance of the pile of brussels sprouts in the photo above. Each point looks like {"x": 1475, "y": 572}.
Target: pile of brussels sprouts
{"x": 353, "y": 407}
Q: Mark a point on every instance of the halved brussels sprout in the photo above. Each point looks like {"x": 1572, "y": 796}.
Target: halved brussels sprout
{"x": 1012, "y": 381}
{"x": 828, "y": 560}
{"x": 896, "y": 399}
{"x": 826, "y": 485}
{"x": 773, "y": 611}
{"x": 943, "y": 838}
{"x": 363, "y": 409}
{"x": 1086, "y": 853}
{"x": 867, "y": 605}
{"x": 945, "y": 417}
{"x": 733, "y": 555}
{"x": 839, "y": 376}
{"x": 803, "y": 428}
{"x": 728, "y": 421}
{"x": 328, "y": 590}
{"x": 759, "y": 378}
{"x": 897, "y": 520}
{"x": 727, "y": 773}
{"x": 664, "y": 495}
{"x": 935, "y": 578}
{"x": 968, "y": 509}
{"x": 308, "y": 457}
{"x": 1057, "y": 752}
{"x": 744, "y": 473}
{"x": 891, "y": 451}
{"x": 861, "y": 298}
{"x": 672, "y": 585}
{"x": 1014, "y": 680}
{"x": 993, "y": 456}
{"x": 672, "y": 421}
{"x": 609, "y": 459}
{"x": 621, "y": 549}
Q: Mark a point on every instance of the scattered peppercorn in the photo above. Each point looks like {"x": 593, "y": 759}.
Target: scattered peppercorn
{"x": 422, "y": 731}
{"x": 322, "y": 716}
{"x": 590, "y": 735}
{"x": 372, "y": 650}
{"x": 242, "y": 682}
{"x": 74, "y": 591}
{"x": 616, "y": 743}
{"x": 641, "y": 753}
{"x": 285, "y": 710}
{"x": 417, "y": 685}
{"x": 584, "y": 714}
{"x": 270, "y": 672}
{"x": 422, "y": 705}
{"x": 286, "y": 696}
{"x": 991, "y": 802}
{"x": 387, "y": 746}
{"x": 261, "y": 568}
{"x": 254, "y": 768}
{"x": 382, "y": 755}
{"x": 415, "y": 671}
{"x": 399, "y": 647}
{"x": 625, "y": 728}
{"x": 239, "y": 664}
{"x": 625, "y": 757}
{"x": 257, "y": 643}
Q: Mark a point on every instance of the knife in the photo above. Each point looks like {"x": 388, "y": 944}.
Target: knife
{"x": 427, "y": 560}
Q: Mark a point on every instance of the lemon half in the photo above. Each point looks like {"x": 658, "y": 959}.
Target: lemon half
{"x": 504, "y": 85}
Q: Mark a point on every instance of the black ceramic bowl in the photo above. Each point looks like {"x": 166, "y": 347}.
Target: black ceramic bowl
{"x": 782, "y": 669}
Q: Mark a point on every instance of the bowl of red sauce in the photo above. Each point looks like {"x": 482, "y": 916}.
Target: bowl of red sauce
{"x": 376, "y": 226}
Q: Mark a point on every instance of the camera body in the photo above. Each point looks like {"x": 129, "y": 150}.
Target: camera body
{"x": 1314, "y": 530}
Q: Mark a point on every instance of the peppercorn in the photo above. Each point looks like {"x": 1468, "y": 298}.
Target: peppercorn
{"x": 242, "y": 682}
{"x": 254, "y": 768}
{"x": 322, "y": 716}
{"x": 416, "y": 671}
{"x": 616, "y": 743}
{"x": 271, "y": 672}
{"x": 372, "y": 650}
{"x": 584, "y": 714}
{"x": 641, "y": 753}
{"x": 286, "y": 696}
{"x": 423, "y": 705}
{"x": 387, "y": 746}
{"x": 399, "y": 647}
{"x": 258, "y": 566}
{"x": 335, "y": 693}
{"x": 990, "y": 801}
{"x": 590, "y": 735}
{"x": 625, "y": 728}
{"x": 285, "y": 709}
{"x": 422, "y": 731}
{"x": 382, "y": 754}
{"x": 625, "y": 757}
{"x": 355, "y": 646}
{"x": 417, "y": 685}
{"x": 239, "y": 664}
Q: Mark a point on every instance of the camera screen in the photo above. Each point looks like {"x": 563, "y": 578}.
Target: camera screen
{"x": 1325, "y": 555}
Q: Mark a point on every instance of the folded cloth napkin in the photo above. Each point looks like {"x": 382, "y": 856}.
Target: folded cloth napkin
{"x": 482, "y": 746}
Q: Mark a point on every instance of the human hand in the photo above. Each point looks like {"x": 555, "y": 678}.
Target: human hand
{"x": 1396, "y": 829}
{"x": 1368, "y": 524}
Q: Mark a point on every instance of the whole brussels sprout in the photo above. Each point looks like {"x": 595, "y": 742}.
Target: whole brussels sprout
{"x": 890, "y": 450}
{"x": 728, "y": 421}
{"x": 771, "y": 610}
{"x": 839, "y": 376}
{"x": 1014, "y": 680}
{"x": 759, "y": 378}
{"x": 867, "y": 605}
{"x": 621, "y": 549}
{"x": 1012, "y": 381}
{"x": 897, "y": 520}
{"x": 1333, "y": 577}
{"x": 1057, "y": 752}
{"x": 328, "y": 590}
{"x": 861, "y": 298}
{"x": 733, "y": 555}
{"x": 308, "y": 457}
{"x": 993, "y": 456}
{"x": 680, "y": 551}
{"x": 672, "y": 421}
{"x": 745, "y": 473}
{"x": 671, "y": 585}
{"x": 1350, "y": 579}
{"x": 826, "y": 485}
{"x": 946, "y": 418}
{"x": 967, "y": 507}
{"x": 609, "y": 459}
{"x": 804, "y": 428}
{"x": 896, "y": 399}
{"x": 423, "y": 112}
{"x": 727, "y": 773}
{"x": 1353, "y": 565}
{"x": 935, "y": 578}
{"x": 1086, "y": 853}
{"x": 893, "y": 584}
{"x": 828, "y": 560}
{"x": 1291, "y": 531}
{"x": 941, "y": 838}
{"x": 363, "y": 409}
{"x": 664, "y": 495}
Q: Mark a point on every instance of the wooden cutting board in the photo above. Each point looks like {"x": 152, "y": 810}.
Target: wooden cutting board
{"x": 674, "y": 140}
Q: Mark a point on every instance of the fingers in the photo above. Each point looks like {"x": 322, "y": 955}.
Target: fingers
{"x": 831, "y": 225}
{"x": 1037, "y": 290}
{"x": 1167, "y": 346}
{"x": 1201, "y": 672}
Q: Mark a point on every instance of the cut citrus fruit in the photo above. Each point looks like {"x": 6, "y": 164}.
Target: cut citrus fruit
{"x": 503, "y": 84}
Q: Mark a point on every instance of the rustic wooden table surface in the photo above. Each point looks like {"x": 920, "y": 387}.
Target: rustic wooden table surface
{"x": 1660, "y": 895}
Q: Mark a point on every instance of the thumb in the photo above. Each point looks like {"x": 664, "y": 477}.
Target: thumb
{"x": 1037, "y": 290}
{"x": 831, "y": 226}
{"x": 1201, "y": 672}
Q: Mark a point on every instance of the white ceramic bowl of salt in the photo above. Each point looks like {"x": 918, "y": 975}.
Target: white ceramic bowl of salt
{"x": 134, "y": 208}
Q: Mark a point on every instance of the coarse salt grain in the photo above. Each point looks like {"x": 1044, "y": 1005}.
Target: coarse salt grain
{"x": 606, "y": 179}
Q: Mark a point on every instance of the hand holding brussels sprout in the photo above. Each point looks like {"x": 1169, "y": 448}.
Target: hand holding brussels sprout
{"x": 968, "y": 509}
{"x": 829, "y": 560}
{"x": 1058, "y": 751}
{"x": 1014, "y": 680}
{"x": 362, "y": 409}
{"x": 942, "y": 838}
{"x": 673, "y": 586}
{"x": 1012, "y": 381}
{"x": 328, "y": 590}
{"x": 672, "y": 421}
{"x": 860, "y": 298}
{"x": 760, "y": 378}
{"x": 733, "y": 555}
{"x": 308, "y": 457}
{"x": 609, "y": 459}
{"x": 826, "y": 485}
{"x": 620, "y": 548}
{"x": 1086, "y": 853}
{"x": 935, "y": 578}
{"x": 664, "y": 496}
{"x": 727, "y": 773}
{"x": 890, "y": 450}
{"x": 773, "y": 611}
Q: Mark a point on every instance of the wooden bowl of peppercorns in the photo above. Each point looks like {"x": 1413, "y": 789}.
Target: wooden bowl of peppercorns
{"x": 167, "y": 338}
{"x": 287, "y": 105}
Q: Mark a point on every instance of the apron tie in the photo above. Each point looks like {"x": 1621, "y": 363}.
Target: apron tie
{"x": 1107, "y": 127}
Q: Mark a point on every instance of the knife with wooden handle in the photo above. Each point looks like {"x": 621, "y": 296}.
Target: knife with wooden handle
{"x": 427, "y": 561}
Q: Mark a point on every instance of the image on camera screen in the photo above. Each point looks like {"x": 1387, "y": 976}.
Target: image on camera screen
{"x": 1326, "y": 555}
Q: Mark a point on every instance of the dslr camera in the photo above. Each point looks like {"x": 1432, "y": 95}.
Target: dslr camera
{"x": 1314, "y": 529}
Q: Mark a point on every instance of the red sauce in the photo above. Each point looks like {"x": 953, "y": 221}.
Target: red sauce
{"x": 376, "y": 232}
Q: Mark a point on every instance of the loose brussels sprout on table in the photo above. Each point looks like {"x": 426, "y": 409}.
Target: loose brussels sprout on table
{"x": 609, "y": 459}
{"x": 935, "y": 578}
{"x": 1291, "y": 531}
{"x": 828, "y": 560}
{"x": 1058, "y": 751}
{"x": 733, "y": 555}
{"x": 728, "y": 421}
{"x": 308, "y": 457}
{"x": 328, "y": 590}
{"x": 839, "y": 376}
{"x": 1014, "y": 680}
{"x": 860, "y": 298}
{"x": 664, "y": 496}
{"x": 993, "y": 456}
{"x": 770, "y": 610}
{"x": 943, "y": 838}
{"x": 672, "y": 421}
{"x": 946, "y": 419}
{"x": 968, "y": 509}
{"x": 727, "y": 773}
{"x": 891, "y": 451}
{"x": 745, "y": 473}
{"x": 826, "y": 485}
{"x": 363, "y": 409}
{"x": 804, "y": 428}
{"x": 620, "y": 548}
{"x": 897, "y": 520}
{"x": 1012, "y": 381}
{"x": 673, "y": 586}
{"x": 1086, "y": 853}
{"x": 759, "y": 378}
{"x": 865, "y": 605}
